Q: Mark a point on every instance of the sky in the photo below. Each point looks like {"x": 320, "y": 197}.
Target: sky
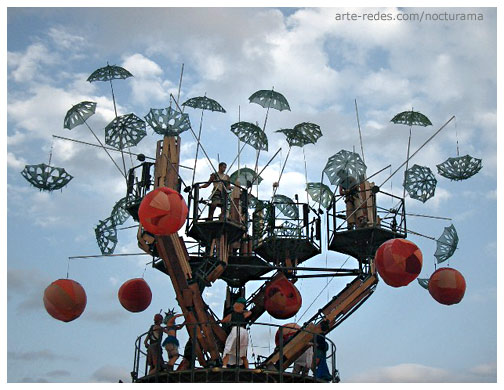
{"x": 321, "y": 65}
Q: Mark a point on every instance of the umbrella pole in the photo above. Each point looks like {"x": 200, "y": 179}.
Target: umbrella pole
{"x": 281, "y": 172}
{"x": 360, "y": 134}
{"x": 197, "y": 147}
{"x": 115, "y": 111}
{"x": 236, "y": 157}
{"x": 407, "y": 161}
{"x": 306, "y": 176}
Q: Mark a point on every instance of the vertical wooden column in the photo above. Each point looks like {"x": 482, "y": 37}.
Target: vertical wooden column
{"x": 167, "y": 163}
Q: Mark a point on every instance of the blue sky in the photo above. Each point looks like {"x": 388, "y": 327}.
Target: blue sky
{"x": 321, "y": 66}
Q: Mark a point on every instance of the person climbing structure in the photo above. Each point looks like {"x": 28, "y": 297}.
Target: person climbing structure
{"x": 238, "y": 334}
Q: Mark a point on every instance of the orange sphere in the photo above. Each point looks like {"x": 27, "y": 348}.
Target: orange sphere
{"x": 398, "y": 262}
{"x": 162, "y": 211}
{"x": 135, "y": 295}
{"x": 282, "y": 299}
{"x": 65, "y": 299}
{"x": 447, "y": 286}
{"x": 288, "y": 331}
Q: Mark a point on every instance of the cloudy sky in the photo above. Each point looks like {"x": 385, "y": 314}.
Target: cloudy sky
{"x": 441, "y": 68}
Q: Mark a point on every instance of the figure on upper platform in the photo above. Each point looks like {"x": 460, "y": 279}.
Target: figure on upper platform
{"x": 238, "y": 333}
{"x": 221, "y": 183}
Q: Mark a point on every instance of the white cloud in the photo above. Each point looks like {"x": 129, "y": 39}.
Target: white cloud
{"x": 112, "y": 374}
{"x": 66, "y": 40}
{"x": 26, "y": 66}
{"x": 405, "y": 373}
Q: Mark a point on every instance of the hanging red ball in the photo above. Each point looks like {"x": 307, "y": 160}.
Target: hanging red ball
{"x": 163, "y": 211}
{"x": 398, "y": 262}
{"x": 447, "y": 286}
{"x": 281, "y": 298}
{"x": 135, "y": 295}
{"x": 288, "y": 330}
{"x": 65, "y": 299}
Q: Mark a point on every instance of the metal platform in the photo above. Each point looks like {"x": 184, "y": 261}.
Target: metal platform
{"x": 361, "y": 243}
{"x": 239, "y": 270}
{"x": 223, "y": 375}
{"x": 276, "y": 249}
{"x": 206, "y": 231}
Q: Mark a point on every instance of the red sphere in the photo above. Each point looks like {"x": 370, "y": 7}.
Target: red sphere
{"x": 398, "y": 262}
{"x": 288, "y": 331}
{"x": 135, "y": 295}
{"x": 447, "y": 286}
{"x": 282, "y": 299}
{"x": 65, "y": 299}
{"x": 162, "y": 211}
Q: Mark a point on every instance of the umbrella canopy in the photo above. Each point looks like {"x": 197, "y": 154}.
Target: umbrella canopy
{"x": 167, "y": 121}
{"x": 424, "y": 283}
{"x": 250, "y": 134}
{"x": 125, "y": 131}
{"x": 256, "y": 204}
{"x": 106, "y": 236}
{"x": 286, "y": 206}
{"x": 270, "y": 99}
{"x": 345, "y": 169}
{"x": 302, "y": 134}
{"x": 459, "y": 168}
{"x": 309, "y": 130}
{"x": 246, "y": 176}
{"x": 204, "y": 103}
{"x": 446, "y": 244}
{"x": 320, "y": 193}
{"x": 420, "y": 183}
{"x": 46, "y": 177}
{"x": 109, "y": 72}
{"x": 119, "y": 215}
{"x": 78, "y": 114}
{"x": 289, "y": 229}
{"x": 411, "y": 118}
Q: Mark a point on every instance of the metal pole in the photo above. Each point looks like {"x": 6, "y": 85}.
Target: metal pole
{"x": 360, "y": 135}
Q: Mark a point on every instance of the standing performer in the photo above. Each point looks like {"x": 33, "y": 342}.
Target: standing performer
{"x": 153, "y": 344}
{"x": 238, "y": 333}
{"x": 353, "y": 202}
{"x": 221, "y": 183}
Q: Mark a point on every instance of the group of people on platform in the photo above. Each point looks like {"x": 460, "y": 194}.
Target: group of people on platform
{"x": 235, "y": 349}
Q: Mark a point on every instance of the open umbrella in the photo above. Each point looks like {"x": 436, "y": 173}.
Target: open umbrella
{"x": 446, "y": 244}
{"x": 320, "y": 193}
{"x": 459, "y": 168}
{"x": 46, "y": 177}
{"x": 250, "y": 134}
{"x": 246, "y": 176}
{"x": 345, "y": 169}
{"x": 125, "y": 131}
{"x": 78, "y": 114}
{"x": 109, "y": 73}
{"x": 203, "y": 103}
{"x": 119, "y": 214}
{"x": 301, "y": 135}
{"x": 270, "y": 99}
{"x": 410, "y": 118}
{"x": 286, "y": 206}
{"x": 420, "y": 183}
{"x": 106, "y": 236}
{"x": 168, "y": 121}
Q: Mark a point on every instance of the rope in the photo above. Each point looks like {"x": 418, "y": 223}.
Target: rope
{"x": 321, "y": 291}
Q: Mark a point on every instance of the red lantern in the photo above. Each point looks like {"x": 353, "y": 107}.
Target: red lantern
{"x": 65, "y": 299}
{"x": 398, "y": 262}
{"x": 288, "y": 331}
{"x": 162, "y": 211}
{"x": 135, "y": 295}
{"x": 447, "y": 286}
{"x": 281, "y": 298}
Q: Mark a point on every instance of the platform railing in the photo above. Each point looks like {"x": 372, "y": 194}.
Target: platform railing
{"x": 367, "y": 213}
{"x": 272, "y": 221}
{"x": 323, "y": 352}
